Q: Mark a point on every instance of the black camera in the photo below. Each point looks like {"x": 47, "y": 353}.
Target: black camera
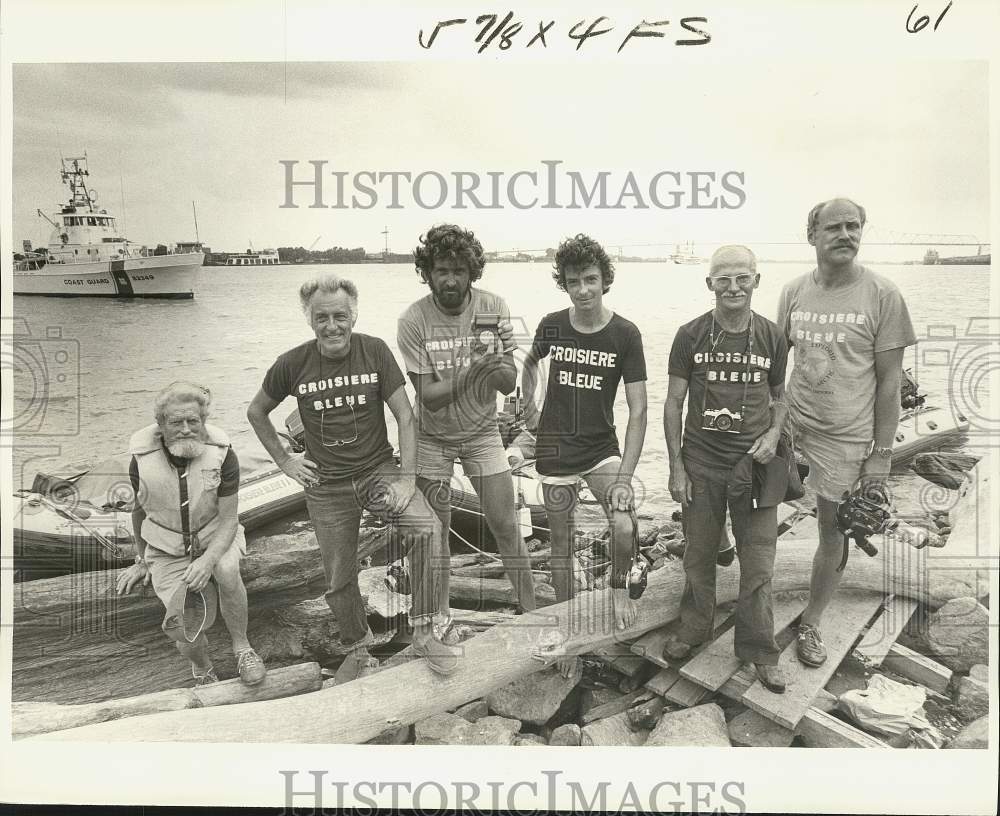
{"x": 860, "y": 516}
{"x": 721, "y": 419}
{"x": 486, "y": 333}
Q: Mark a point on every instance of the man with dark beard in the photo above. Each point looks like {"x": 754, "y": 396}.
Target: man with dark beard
{"x": 457, "y": 384}
{"x": 186, "y": 478}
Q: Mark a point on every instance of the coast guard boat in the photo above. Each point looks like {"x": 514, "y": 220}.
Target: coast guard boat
{"x": 87, "y": 257}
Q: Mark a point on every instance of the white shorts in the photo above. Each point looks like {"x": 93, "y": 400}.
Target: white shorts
{"x": 573, "y": 478}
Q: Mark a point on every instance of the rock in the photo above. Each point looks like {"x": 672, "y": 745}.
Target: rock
{"x": 958, "y": 634}
{"x": 450, "y": 729}
{"x": 568, "y": 734}
{"x": 980, "y": 672}
{"x": 612, "y": 731}
{"x": 973, "y": 698}
{"x": 594, "y": 697}
{"x": 975, "y": 735}
{"x": 392, "y": 736}
{"x": 536, "y": 697}
{"x": 649, "y": 529}
{"x": 702, "y": 725}
{"x": 676, "y": 547}
{"x": 494, "y": 731}
{"x": 752, "y": 730}
{"x": 473, "y": 711}
{"x": 646, "y": 715}
{"x": 529, "y": 739}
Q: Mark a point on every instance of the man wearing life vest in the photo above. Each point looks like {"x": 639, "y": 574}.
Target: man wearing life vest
{"x": 186, "y": 476}
{"x": 342, "y": 381}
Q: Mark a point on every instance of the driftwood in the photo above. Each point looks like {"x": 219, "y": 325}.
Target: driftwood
{"x": 361, "y": 710}
{"x": 76, "y": 641}
{"x": 40, "y": 718}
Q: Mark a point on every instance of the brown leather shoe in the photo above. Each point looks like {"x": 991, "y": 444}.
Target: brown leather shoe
{"x": 809, "y": 648}
{"x": 771, "y": 677}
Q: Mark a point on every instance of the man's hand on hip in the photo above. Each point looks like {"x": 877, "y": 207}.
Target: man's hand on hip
{"x": 398, "y": 494}
{"x": 302, "y": 470}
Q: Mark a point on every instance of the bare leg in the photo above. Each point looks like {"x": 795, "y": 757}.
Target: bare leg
{"x": 233, "y": 602}
{"x": 560, "y": 507}
{"x": 438, "y": 495}
{"x": 825, "y": 579}
{"x": 496, "y": 495}
{"x": 622, "y": 530}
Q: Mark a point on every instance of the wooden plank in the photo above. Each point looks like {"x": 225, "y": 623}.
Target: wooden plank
{"x": 615, "y": 706}
{"x": 685, "y": 693}
{"x": 650, "y": 645}
{"x": 882, "y": 634}
{"x": 620, "y": 657}
{"x": 918, "y": 668}
{"x": 663, "y": 680}
{"x": 847, "y": 615}
{"x": 716, "y": 663}
{"x": 817, "y": 728}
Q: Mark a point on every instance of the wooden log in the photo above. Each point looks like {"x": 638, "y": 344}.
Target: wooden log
{"x": 495, "y": 569}
{"x": 41, "y": 718}
{"x": 358, "y": 711}
{"x": 918, "y": 668}
{"x": 479, "y": 591}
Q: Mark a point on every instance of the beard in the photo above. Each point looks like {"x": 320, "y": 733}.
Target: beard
{"x": 186, "y": 448}
{"x": 451, "y": 297}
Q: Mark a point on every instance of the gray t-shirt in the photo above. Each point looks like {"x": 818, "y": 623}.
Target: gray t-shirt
{"x": 436, "y": 343}
{"x": 836, "y": 333}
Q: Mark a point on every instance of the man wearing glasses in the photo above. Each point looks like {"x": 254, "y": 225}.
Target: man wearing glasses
{"x": 849, "y": 328}
{"x": 730, "y": 364}
{"x": 342, "y": 380}
{"x": 457, "y": 343}
{"x": 186, "y": 479}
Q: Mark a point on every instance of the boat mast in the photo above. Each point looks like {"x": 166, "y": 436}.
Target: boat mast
{"x": 74, "y": 173}
{"x": 195, "y": 210}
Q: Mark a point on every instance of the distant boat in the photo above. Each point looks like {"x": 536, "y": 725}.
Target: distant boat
{"x": 685, "y": 254}
{"x": 266, "y": 257}
{"x": 88, "y": 257}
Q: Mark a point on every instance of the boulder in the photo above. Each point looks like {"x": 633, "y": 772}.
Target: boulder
{"x": 752, "y": 730}
{"x": 612, "y": 731}
{"x": 958, "y": 634}
{"x": 392, "y": 736}
{"x": 473, "y": 711}
{"x": 594, "y": 697}
{"x": 536, "y": 697}
{"x": 980, "y": 672}
{"x": 529, "y": 739}
{"x": 975, "y": 735}
{"x": 972, "y": 699}
{"x": 450, "y": 729}
{"x": 568, "y": 734}
{"x": 702, "y": 725}
{"x": 646, "y": 715}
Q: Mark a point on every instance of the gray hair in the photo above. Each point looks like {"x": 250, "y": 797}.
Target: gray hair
{"x": 181, "y": 391}
{"x": 726, "y": 248}
{"x": 813, "y": 221}
{"x": 328, "y": 284}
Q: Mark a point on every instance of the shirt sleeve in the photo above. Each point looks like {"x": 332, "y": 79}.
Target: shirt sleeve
{"x": 784, "y": 312}
{"x": 779, "y": 360}
{"x": 133, "y": 477}
{"x": 681, "y": 359}
{"x": 543, "y": 340}
{"x": 390, "y": 378}
{"x": 410, "y": 340}
{"x": 634, "y": 364}
{"x": 895, "y": 329}
{"x": 230, "y": 472}
{"x": 277, "y": 381}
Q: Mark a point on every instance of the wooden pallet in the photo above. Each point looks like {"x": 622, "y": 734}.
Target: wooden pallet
{"x": 881, "y": 635}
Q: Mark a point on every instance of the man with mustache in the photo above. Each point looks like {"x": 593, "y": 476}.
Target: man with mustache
{"x": 342, "y": 381}
{"x": 457, "y": 384}
{"x": 849, "y": 328}
{"x": 730, "y": 366}
{"x": 185, "y": 477}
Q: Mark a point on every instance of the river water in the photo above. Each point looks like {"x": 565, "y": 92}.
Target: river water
{"x": 241, "y": 319}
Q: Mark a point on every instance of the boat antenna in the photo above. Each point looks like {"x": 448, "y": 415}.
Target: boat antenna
{"x": 195, "y": 210}
{"x": 121, "y": 180}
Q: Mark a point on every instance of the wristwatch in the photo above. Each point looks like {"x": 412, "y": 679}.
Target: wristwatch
{"x": 885, "y": 451}
{"x": 140, "y": 560}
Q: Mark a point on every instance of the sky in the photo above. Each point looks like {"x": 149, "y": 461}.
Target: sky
{"x": 907, "y": 140}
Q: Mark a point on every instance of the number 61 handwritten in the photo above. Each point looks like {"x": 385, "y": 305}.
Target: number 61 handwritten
{"x": 921, "y": 22}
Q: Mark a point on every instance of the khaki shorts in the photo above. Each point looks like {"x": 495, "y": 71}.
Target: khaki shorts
{"x": 167, "y": 570}
{"x": 834, "y": 466}
{"x": 482, "y": 455}
{"x": 573, "y": 478}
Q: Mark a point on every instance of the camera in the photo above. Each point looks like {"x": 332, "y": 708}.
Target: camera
{"x": 46, "y": 382}
{"x": 861, "y": 516}
{"x": 486, "y": 333}
{"x": 721, "y": 419}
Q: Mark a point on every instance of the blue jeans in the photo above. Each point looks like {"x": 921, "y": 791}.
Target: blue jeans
{"x": 335, "y": 509}
{"x": 756, "y": 532}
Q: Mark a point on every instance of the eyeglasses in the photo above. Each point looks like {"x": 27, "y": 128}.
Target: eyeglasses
{"x": 336, "y": 443}
{"x": 725, "y": 281}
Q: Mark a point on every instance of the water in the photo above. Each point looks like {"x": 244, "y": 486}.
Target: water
{"x": 242, "y": 319}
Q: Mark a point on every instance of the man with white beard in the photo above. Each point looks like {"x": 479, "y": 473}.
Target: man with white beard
{"x": 186, "y": 479}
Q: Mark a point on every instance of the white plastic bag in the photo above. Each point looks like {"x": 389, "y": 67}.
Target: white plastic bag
{"x": 886, "y": 707}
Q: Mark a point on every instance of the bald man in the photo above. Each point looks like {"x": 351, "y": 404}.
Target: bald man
{"x": 729, "y": 364}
